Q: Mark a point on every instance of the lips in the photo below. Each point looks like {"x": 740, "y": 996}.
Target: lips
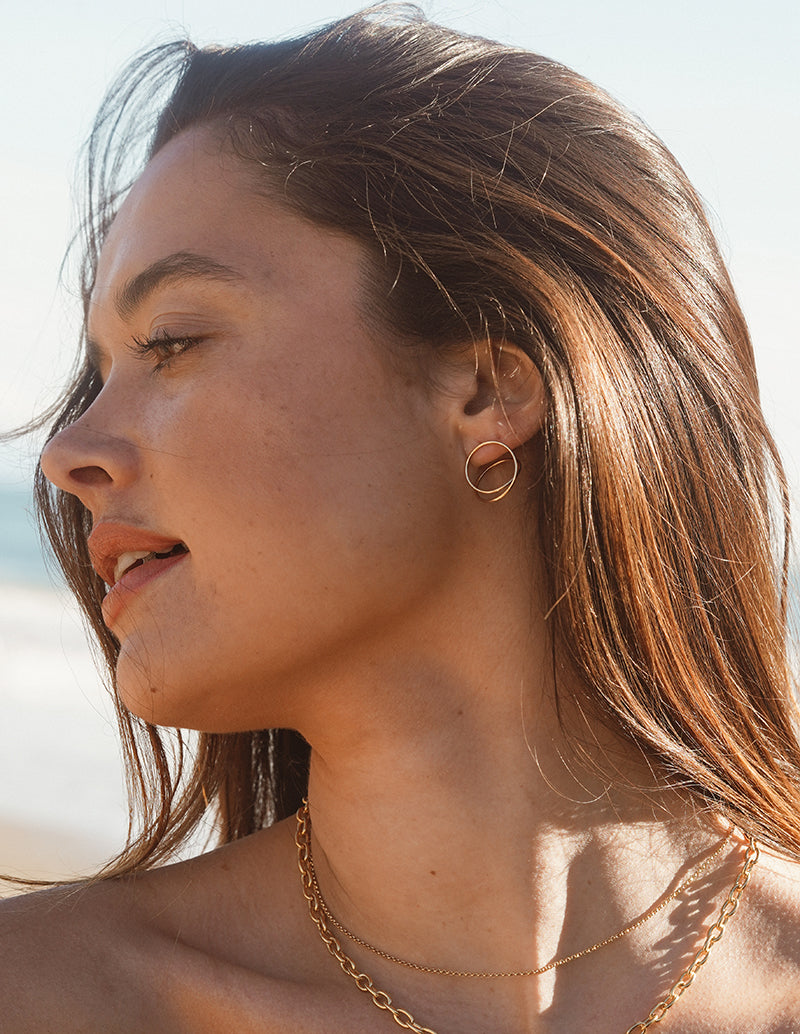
{"x": 134, "y": 558}
{"x": 127, "y": 557}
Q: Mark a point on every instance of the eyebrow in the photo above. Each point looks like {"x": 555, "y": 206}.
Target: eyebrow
{"x": 181, "y": 265}
{"x": 177, "y": 267}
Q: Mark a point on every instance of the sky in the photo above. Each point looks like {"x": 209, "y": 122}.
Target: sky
{"x": 718, "y": 80}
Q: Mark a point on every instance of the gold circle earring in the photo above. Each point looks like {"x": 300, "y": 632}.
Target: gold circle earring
{"x": 492, "y": 494}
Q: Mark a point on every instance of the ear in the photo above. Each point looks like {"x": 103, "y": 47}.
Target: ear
{"x": 496, "y": 395}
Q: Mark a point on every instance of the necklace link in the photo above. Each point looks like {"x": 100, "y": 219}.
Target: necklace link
{"x": 364, "y": 983}
{"x": 713, "y": 934}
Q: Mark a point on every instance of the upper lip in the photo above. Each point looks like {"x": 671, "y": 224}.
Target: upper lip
{"x": 110, "y": 539}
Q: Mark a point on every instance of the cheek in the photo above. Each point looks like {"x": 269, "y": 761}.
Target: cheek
{"x": 313, "y": 526}
{"x": 340, "y": 454}
{"x": 315, "y": 502}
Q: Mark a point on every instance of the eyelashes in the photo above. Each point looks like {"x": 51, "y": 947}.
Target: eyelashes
{"x": 163, "y": 347}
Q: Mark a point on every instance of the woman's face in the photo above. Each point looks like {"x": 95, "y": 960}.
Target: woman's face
{"x": 250, "y": 425}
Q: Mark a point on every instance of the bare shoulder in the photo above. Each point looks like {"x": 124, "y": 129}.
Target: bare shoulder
{"x": 68, "y": 959}
{"x": 195, "y": 946}
{"x": 768, "y": 950}
{"x": 774, "y": 896}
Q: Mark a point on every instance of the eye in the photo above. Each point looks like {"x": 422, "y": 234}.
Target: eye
{"x": 163, "y": 347}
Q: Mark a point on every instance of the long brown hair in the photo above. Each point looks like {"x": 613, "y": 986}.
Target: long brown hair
{"x": 504, "y": 197}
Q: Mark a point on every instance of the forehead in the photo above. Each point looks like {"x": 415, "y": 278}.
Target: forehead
{"x": 196, "y": 198}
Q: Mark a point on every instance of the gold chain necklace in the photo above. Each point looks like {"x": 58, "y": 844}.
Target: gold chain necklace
{"x": 693, "y": 876}
{"x": 321, "y": 916}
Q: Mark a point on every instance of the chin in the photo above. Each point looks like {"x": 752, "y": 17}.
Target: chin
{"x": 193, "y": 701}
{"x": 146, "y": 689}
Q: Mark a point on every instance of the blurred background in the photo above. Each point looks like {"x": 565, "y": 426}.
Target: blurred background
{"x": 718, "y": 80}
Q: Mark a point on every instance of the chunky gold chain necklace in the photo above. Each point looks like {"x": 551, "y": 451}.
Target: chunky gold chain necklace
{"x": 322, "y": 916}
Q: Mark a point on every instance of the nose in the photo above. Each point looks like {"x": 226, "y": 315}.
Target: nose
{"x": 88, "y": 459}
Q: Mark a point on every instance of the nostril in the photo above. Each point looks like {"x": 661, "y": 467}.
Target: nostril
{"x": 90, "y": 477}
{"x": 88, "y": 461}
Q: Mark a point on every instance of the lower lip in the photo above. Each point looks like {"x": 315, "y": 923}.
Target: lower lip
{"x": 131, "y": 583}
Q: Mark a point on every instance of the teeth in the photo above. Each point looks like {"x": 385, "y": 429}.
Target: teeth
{"x": 127, "y": 560}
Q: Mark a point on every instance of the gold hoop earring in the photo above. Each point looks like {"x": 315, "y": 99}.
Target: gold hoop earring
{"x": 493, "y": 495}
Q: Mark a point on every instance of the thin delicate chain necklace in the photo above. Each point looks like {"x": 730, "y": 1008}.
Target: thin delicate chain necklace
{"x": 693, "y": 876}
{"x": 322, "y": 916}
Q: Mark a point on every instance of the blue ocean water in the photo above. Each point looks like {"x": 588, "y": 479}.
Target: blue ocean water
{"x": 21, "y": 555}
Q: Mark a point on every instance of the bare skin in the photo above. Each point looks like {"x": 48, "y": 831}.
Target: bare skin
{"x": 343, "y": 580}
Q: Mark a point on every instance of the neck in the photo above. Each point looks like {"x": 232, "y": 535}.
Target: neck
{"x": 448, "y": 827}
{"x": 461, "y": 822}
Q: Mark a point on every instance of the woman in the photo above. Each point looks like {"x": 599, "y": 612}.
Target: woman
{"x": 416, "y": 461}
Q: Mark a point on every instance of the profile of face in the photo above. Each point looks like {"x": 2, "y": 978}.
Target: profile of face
{"x": 280, "y": 491}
